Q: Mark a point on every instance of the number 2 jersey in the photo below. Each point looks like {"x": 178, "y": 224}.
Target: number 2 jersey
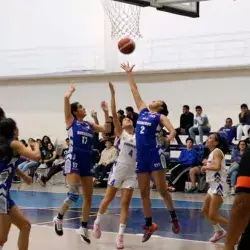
{"x": 150, "y": 154}
{"x": 79, "y": 157}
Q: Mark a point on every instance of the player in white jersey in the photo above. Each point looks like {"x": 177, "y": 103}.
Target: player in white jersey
{"x": 123, "y": 174}
{"x": 216, "y": 175}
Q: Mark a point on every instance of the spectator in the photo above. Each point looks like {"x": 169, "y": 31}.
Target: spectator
{"x": 132, "y": 115}
{"x": 234, "y": 167}
{"x": 201, "y": 125}
{"x": 2, "y": 113}
{"x": 108, "y": 157}
{"x": 186, "y": 122}
{"x": 50, "y": 155}
{"x": 56, "y": 167}
{"x": 120, "y": 114}
{"x": 187, "y": 159}
{"x": 164, "y": 143}
{"x": 244, "y": 120}
{"x": 247, "y": 140}
{"x": 228, "y": 131}
{"x": 45, "y": 141}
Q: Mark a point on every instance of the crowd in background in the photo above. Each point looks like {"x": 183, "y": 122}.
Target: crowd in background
{"x": 187, "y": 165}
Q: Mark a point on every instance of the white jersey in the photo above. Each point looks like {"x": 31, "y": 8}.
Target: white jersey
{"x": 126, "y": 149}
{"x": 219, "y": 177}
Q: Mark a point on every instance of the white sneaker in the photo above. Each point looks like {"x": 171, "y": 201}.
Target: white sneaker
{"x": 97, "y": 231}
{"x": 58, "y": 225}
{"x": 232, "y": 190}
{"x": 119, "y": 242}
{"x": 84, "y": 234}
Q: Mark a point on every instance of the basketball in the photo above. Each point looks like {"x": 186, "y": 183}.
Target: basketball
{"x": 126, "y": 46}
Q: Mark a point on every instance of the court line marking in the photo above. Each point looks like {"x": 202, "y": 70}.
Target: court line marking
{"x": 153, "y": 236}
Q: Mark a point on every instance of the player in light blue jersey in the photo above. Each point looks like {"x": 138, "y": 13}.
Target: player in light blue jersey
{"x": 78, "y": 162}
{"x": 10, "y": 150}
{"x": 150, "y": 159}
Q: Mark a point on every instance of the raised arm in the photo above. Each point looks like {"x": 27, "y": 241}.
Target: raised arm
{"x": 168, "y": 125}
{"x": 137, "y": 97}
{"x": 69, "y": 118}
{"x": 116, "y": 122}
{"x": 107, "y": 126}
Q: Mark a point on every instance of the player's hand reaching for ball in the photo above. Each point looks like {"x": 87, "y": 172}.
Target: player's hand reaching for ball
{"x": 127, "y": 67}
{"x": 104, "y": 106}
{"x": 111, "y": 87}
{"x": 72, "y": 88}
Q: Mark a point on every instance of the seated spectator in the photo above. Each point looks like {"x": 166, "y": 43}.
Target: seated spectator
{"x": 228, "y": 131}
{"x": 187, "y": 159}
{"x": 247, "y": 140}
{"x": 234, "y": 167}
{"x": 164, "y": 143}
{"x": 244, "y": 120}
{"x": 120, "y": 114}
{"x": 50, "y": 156}
{"x": 57, "y": 166}
{"x": 186, "y": 122}
{"x": 108, "y": 157}
{"x": 27, "y": 164}
{"x": 132, "y": 115}
{"x": 201, "y": 125}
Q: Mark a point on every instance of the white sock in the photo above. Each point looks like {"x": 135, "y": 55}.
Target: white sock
{"x": 217, "y": 227}
{"x": 122, "y": 229}
{"x": 97, "y": 220}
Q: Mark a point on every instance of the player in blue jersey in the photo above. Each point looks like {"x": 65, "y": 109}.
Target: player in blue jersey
{"x": 150, "y": 159}
{"x": 78, "y": 162}
{"x": 10, "y": 150}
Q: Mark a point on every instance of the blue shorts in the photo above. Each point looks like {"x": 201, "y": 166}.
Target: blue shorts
{"x": 150, "y": 160}
{"x": 6, "y": 203}
{"x": 79, "y": 163}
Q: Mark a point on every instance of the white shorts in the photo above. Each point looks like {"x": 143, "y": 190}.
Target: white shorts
{"x": 122, "y": 176}
{"x": 220, "y": 189}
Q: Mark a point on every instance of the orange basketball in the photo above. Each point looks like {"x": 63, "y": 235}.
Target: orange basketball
{"x": 126, "y": 46}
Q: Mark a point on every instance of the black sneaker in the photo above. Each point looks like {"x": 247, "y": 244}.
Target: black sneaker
{"x": 58, "y": 226}
{"x": 192, "y": 190}
{"x": 84, "y": 234}
{"x": 16, "y": 179}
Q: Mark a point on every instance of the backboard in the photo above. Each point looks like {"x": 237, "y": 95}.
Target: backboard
{"x": 187, "y": 8}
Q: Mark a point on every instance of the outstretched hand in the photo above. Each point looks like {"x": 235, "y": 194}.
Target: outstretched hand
{"x": 104, "y": 106}
{"x": 111, "y": 87}
{"x": 72, "y": 87}
{"x": 127, "y": 67}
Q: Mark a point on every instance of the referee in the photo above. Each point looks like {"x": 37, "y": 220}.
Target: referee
{"x": 239, "y": 223}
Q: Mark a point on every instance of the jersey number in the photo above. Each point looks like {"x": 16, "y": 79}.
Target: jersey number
{"x": 131, "y": 153}
{"x": 142, "y": 130}
{"x": 84, "y": 140}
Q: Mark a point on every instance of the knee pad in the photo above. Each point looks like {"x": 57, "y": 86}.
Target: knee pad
{"x": 73, "y": 194}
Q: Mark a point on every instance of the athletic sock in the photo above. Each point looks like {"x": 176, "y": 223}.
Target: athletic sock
{"x": 98, "y": 218}
{"x": 59, "y": 216}
{"x": 217, "y": 227}
{"x": 173, "y": 215}
{"x": 122, "y": 229}
{"x": 84, "y": 224}
{"x": 148, "y": 221}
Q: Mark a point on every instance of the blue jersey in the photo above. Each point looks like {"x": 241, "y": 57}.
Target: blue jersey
{"x": 79, "y": 156}
{"x": 81, "y": 137}
{"x": 147, "y": 130}
{"x": 7, "y": 172}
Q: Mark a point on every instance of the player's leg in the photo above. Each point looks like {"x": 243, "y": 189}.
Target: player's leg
{"x": 73, "y": 181}
{"x": 5, "y": 224}
{"x": 239, "y": 219}
{"x": 22, "y": 223}
{"x": 109, "y": 196}
{"x": 87, "y": 191}
{"x": 160, "y": 181}
{"x": 126, "y": 196}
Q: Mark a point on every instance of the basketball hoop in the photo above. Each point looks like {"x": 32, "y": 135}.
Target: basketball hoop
{"x": 124, "y": 18}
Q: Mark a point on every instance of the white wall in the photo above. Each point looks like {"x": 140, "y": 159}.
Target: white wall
{"x": 62, "y": 35}
{"x": 37, "y": 105}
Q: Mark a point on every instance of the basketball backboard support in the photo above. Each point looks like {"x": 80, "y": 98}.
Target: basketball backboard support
{"x": 187, "y": 8}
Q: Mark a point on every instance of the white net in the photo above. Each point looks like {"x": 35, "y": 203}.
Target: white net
{"x": 124, "y": 18}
